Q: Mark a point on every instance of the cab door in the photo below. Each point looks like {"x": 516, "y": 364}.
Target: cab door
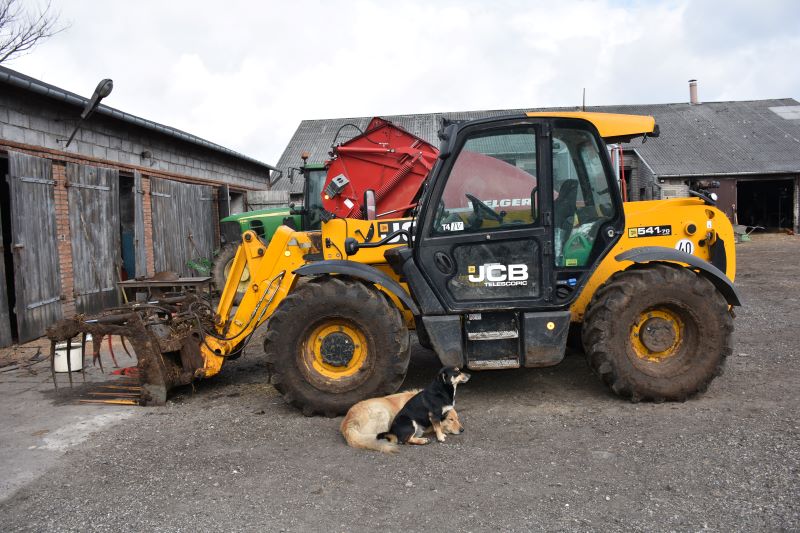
{"x": 485, "y": 240}
{"x": 517, "y": 215}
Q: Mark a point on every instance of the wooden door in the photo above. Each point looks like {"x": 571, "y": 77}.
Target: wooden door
{"x": 726, "y": 197}
{"x": 94, "y": 226}
{"x": 183, "y": 225}
{"x": 37, "y": 281}
{"x": 138, "y": 226}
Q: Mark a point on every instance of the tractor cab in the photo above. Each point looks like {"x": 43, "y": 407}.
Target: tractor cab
{"x": 314, "y": 176}
{"x": 536, "y": 193}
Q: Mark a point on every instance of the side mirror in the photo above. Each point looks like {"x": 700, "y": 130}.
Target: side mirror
{"x": 369, "y": 204}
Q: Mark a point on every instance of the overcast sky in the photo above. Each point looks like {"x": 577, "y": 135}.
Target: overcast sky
{"x": 244, "y": 74}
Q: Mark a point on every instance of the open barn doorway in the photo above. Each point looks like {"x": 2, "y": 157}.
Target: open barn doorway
{"x": 767, "y": 203}
{"x": 8, "y": 320}
{"x": 127, "y": 227}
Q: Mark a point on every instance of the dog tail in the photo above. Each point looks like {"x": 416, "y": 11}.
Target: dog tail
{"x": 357, "y": 438}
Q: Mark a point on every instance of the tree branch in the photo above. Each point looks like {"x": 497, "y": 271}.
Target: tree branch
{"x": 21, "y": 30}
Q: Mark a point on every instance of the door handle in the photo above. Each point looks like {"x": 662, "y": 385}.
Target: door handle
{"x": 443, "y": 263}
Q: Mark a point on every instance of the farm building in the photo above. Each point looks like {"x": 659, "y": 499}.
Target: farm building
{"x": 129, "y": 197}
{"x": 751, "y": 147}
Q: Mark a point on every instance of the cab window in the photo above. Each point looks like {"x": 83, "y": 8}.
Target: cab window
{"x": 314, "y": 185}
{"x": 582, "y": 196}
{"x": 492, "y": 184}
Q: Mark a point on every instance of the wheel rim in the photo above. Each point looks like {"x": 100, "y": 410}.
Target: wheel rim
{"x": 245, "y": 279}
{"x": 657, "y": 335}
{"x": 334, "y": 355}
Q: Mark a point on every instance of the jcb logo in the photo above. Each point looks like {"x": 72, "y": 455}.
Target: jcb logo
{"x": 385, "y": 228}
{"x": 497, "y": 275}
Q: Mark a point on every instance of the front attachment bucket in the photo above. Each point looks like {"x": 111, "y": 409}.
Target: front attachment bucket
{"x": 164, "y": 335}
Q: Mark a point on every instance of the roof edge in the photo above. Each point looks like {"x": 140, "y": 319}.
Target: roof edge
{"x": 554, "y": 109}
{"x": 28, "y": 83}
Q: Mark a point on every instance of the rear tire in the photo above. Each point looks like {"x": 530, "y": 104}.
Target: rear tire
{"x": 660, "y": 332}
{"x": 220, "y": 268}
{"x": 333, "y": 342}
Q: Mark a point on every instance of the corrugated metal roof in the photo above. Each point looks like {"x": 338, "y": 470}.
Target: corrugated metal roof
{"x": 744, "y": 137}
{"x": 28, "y": 83}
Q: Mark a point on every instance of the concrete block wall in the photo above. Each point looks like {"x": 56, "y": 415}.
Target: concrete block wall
{"x": 30, "y": 119}
{"x": 632, "y": 177}
{"x": 674, "y": 189}
{"x": 643, "y": 178}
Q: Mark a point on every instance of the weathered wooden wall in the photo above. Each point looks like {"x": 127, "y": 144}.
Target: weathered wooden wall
{"x": 138, "y": 225}
{"x": 265, "y": 199}
{"x": 33, "y": 226}
{"x": 183, "y": 224}
{"x": 94, "y": 226}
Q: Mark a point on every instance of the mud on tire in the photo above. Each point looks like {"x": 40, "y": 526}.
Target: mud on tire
{"x": 361, "y": 310}
{"x": 697, "y": 351}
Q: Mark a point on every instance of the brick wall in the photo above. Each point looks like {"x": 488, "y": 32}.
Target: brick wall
{"x": 64, "y": 239}
{"x": 148, "y": 227}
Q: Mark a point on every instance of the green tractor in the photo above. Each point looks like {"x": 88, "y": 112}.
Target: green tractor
{"x": 265, "y": 221}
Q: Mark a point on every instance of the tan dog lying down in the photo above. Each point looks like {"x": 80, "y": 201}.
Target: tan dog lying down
{"x": 367, "y": 418}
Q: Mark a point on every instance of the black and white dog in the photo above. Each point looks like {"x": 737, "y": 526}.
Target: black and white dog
{"x": 426, "y": 409}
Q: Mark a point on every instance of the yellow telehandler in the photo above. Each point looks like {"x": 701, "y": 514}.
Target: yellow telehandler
{"x": 519, "y": 234}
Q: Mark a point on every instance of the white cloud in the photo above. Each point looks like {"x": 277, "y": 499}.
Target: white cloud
{"x": 244, "y": 74}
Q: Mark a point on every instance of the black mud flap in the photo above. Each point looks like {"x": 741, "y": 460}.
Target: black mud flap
{"x": 444, "y": 333}
{"x": 545, "y": 337}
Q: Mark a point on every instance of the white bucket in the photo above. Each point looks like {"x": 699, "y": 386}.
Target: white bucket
{"x": 75, "y": 359}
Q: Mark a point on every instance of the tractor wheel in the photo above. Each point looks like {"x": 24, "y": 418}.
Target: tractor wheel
{"x": 657, "y": 333}
{"x": 333, "y": 342}
{"x": 222, "y": 265}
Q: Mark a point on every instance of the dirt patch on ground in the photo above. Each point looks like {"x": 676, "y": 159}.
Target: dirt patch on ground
{"x": 23, "y": 353}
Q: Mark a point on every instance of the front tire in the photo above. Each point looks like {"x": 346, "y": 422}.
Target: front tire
{"x": 222, "y": 265}
{"x": 333, "y": 342}
{"x": 660, "y": 332}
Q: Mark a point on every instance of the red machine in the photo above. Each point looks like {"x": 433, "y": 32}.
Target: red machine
{"x": 386, "y": 159}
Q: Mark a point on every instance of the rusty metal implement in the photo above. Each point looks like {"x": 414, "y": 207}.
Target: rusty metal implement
{"x": 166, "y": 335}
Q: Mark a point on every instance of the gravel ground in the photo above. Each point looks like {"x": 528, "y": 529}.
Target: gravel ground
{"x": 544, "y": 449}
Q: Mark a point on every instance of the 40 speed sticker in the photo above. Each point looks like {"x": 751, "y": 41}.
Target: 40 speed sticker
{"x": 650, "y": 231}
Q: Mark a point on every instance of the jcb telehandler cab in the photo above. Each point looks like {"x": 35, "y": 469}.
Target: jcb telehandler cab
{"x": 520, "y": 232}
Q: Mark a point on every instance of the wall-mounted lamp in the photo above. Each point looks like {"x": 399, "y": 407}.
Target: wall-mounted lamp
{"x": 102, "y": 90}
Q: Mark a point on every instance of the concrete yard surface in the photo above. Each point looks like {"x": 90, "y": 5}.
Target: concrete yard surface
{"x": 544, "y": 449}
{"x": 39, "y": 424}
